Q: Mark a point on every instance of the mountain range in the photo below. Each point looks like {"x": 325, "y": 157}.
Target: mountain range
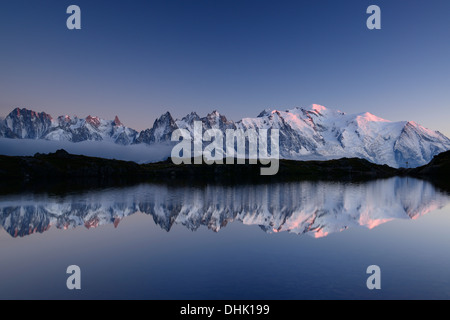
{"x": 316, "y": 133}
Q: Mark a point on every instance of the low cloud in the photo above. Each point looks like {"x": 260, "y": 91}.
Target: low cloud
{"x": 140, "y": 153}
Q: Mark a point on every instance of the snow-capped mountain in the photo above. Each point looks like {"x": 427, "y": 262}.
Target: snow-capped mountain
{"x": 313, "y": 208}
{"x": 321, "y": 133}
{"x": 315, "y": 133}
{"x": 160, "y": 132}
{"x": 27, "y": 124}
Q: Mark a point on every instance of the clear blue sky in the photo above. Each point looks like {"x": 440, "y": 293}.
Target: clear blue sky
{"x": 138, "y": 59}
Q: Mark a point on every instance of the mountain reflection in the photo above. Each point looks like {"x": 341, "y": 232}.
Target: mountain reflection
{"x": 314, "y": 208}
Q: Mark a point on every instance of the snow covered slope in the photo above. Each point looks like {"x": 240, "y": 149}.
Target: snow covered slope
{"x": 321, "y": 133}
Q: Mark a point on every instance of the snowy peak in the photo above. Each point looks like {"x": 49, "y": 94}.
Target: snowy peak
{"x": 369, "y": 117}
{"x": 160, "y": 132}
{"x": 216, "y": 121}
{"x": 165, "y": 117}
{"x": 26, "y": 124}
{"x": 187, "y": 122}
{"x": 191, "y": 117}
{"x": 215, "y": 113}
{"x": 165, "y": 120}
{"x": 64, "y": 119}
{"x": 29, "y": 114}
{"x": 413, "y": 126}
{"x": 417, "y": 145}
{"x": 163, "y": 128}
{"x": 318, "y": 109}
{"x": 322, "y": 111}
{"x": 93, "y": 121}
{"x": 117, "y": 122}
{"x": 267, "y": 113}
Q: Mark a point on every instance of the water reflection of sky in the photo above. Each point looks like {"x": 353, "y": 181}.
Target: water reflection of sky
{"x": 140, "y": 259}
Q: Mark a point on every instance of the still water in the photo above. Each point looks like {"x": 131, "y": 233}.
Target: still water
{"x": 302, "y": 240}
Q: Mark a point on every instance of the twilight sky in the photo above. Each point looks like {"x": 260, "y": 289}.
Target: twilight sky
{"x": 138, "y": 59}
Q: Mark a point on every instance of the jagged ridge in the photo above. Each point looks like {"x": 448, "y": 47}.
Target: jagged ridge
{"x": 317, "y": 133}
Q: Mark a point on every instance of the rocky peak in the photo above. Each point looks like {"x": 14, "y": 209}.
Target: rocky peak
{"x": 165, "y": 119}
{"x": 27, "y": 114}
{"x": 193, "y": 116}
{"x": 117, "y": 122}
{"x": 93, "y": 121}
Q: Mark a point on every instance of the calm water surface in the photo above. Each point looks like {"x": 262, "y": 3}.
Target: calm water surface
{"x": 304, "y": 240}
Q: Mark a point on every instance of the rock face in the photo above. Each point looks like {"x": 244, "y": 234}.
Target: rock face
{"x": 27, "y": 124}
{"x": 160, "y": 132}
{"x": 316, "y": 133}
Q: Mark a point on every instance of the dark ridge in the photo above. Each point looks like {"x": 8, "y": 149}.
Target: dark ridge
{"x": 64, "y": 168}
{"x": 438, "y": 167}
{"x": 437, "y": 171}
{"x": 62, "y": 165}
